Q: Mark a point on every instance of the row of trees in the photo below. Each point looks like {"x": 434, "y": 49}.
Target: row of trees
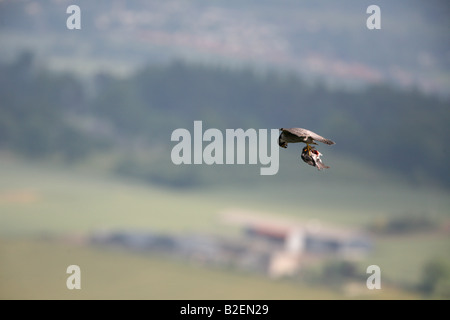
{"x": 41, "y": 113}
{"x": 34, "y": 105}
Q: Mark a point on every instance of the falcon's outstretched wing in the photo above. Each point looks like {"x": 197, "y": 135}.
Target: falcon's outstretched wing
{"x": 303, "y": 135}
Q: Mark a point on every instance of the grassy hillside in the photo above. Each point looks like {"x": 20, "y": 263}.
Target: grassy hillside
{"x": 42, "y": 198}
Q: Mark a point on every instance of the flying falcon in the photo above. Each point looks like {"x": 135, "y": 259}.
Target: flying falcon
{"x": 294, "y": 135}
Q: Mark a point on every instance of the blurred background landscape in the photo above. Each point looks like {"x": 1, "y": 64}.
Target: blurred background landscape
{"x": 86, "y": 176}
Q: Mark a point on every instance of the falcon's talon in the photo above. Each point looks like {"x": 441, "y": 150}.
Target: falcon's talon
{"x": 308, "y": 148}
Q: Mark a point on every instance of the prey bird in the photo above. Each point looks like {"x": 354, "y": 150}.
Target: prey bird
{"x": 313, "y": 158}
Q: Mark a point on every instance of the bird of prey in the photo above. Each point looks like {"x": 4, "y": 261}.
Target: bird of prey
{"x": 294, "y": 135}
{"x": 313, "y": 158}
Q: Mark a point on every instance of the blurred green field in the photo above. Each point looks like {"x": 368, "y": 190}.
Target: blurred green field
{"x": 37, "y": 270}
{"x": 38, "y": 202}
{"x": 36, "y": 199}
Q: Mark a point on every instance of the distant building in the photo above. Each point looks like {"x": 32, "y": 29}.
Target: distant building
{"x": 292, "y": 242}
{"x": 274, "y": 247}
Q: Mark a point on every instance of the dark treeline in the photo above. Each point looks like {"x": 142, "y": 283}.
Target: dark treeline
{"x": 41, "y": 112}
{"x": 33, "y": 108}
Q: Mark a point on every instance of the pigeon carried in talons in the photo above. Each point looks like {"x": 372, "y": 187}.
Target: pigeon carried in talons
{"x": 312, "y": 157}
